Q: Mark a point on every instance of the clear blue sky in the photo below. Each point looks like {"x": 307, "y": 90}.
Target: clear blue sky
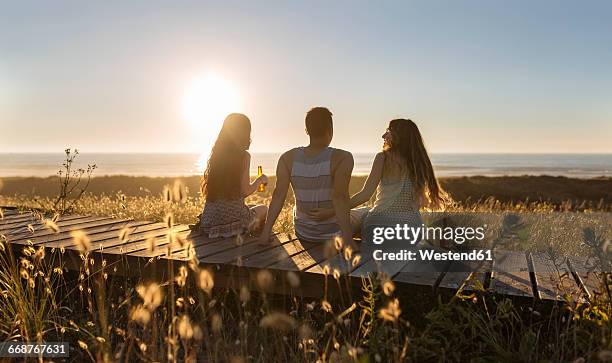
{"x": 477, "y": 76}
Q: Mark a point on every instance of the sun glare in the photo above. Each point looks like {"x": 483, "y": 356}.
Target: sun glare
{"x": 207, "y": 100}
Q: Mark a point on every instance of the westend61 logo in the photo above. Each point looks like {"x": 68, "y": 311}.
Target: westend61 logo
{"x": 414, "y": 234}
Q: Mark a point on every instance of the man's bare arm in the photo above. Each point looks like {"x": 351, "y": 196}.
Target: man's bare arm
{"x": 340, "y": 195}
{"x": 278, "y": 197}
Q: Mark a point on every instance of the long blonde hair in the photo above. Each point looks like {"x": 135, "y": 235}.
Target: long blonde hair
{"x": 406, "y": 153}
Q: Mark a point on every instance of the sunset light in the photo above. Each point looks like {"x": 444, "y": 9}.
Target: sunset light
{"x": 206, "y": 102}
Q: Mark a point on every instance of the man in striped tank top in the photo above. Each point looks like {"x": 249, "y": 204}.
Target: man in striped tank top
{"x": 319, "y": 176}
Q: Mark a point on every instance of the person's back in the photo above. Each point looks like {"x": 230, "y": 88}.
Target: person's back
{"x": 312, "y": 183}
{"x": 319, "y": 176}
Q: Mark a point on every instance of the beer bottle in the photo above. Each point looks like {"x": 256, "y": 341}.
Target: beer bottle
{"x": 262, "y": 186}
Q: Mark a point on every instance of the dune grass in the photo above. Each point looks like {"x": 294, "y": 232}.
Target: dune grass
{"x": 107, "y": 317}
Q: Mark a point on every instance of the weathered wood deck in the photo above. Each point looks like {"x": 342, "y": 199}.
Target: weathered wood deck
{"x": 512, "y": 273}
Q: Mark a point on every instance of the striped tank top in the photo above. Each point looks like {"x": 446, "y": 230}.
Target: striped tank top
{"x": 311, "y": 181}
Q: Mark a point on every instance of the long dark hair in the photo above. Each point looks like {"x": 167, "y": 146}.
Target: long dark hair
{"x": 406, "y": 142}
{"x": 222, "y": 177}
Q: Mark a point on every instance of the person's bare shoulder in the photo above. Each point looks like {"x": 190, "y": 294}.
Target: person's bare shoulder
{"x": 286, "y": 159}
{"x": 339, "y": 156}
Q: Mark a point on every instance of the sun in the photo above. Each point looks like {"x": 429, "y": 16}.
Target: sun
{"x": 206, "y": 102}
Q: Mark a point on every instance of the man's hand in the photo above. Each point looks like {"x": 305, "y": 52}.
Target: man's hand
{"x": 320, "y": 214}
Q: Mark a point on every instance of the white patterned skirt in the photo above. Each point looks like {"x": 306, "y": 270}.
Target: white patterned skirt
{"x": 226, "y": 218}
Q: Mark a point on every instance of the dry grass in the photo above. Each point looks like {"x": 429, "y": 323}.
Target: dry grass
{"x": 185, "y": 317}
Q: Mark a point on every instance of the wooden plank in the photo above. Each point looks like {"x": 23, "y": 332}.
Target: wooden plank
{"x": 312, "y": 254}
{"x": 46, "y": 235}
{"x": 511, "y": 274}
{"x": 100, "y": 235}
{"x": 421, "y": 272}
{"x": 22, "y": 233}
{"x": 278, "y": 253}
{"x": 533, "y": 277}
{"x": 389, "y": 268}
{"x": 249, "y": 247}
{"x": 16, "y": 218}
{"x": 553, "y": 282}
{"x": 8, "y": 211}
{"x": 587, "y": 275}
{"x": 22, "y": 226}
{"x": 205, "y": 247}
{"x": 340, "y": 263}
{"x": 137, "y": 245}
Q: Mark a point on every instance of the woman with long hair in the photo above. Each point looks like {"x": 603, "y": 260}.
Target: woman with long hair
{"x": 226, "y": 182}
{"x": 402, "y": 177}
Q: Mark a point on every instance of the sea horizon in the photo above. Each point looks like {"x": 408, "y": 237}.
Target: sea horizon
{"x": 41, "y": 164}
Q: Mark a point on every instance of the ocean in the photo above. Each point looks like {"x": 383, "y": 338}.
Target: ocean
{"x": 570, "y": 165}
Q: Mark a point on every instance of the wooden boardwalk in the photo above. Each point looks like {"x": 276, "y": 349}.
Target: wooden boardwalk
{"x": 517, "y": 274}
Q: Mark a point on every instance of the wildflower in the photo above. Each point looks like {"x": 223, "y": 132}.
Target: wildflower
{"x": 336, "y": 274}
{"x": 40, "y": 254}
{"x": 245, "y": 294}
{"x": 124, "y": 234}
{"x": 82, "y": 344}
{"x": 166, "y": 194}
{"x": 51, "y": 225}
{"x": 140, "y": 315}
{"x": 388, "y": 287}
{"x": 278, "y": 321}
{"x": 179, "y": 192}
{"x": 81, "y": 240}
{"x": 326, "y": 306}
{"x": 24, "y": 274}
{"x": 206, "y": 281}
{"x": 150, "y": 242}
{"x": 293, "y": 279}
{"x": 193, "y": 262}
{"x": 338, "y": 243}
{"x": 181, "y": 278}
{"x": 169, "y": 220}
{"x": 348, "y": 253}
{"x": 151, "y": 295}
{"x": 356, "y": 260}
{"x": 30, "y": 228}
{"x": 391, "y": 312}
{"x": 185, "y": 329}
{"x": 264, "y": 279}
{"x": 326, "y": 270}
